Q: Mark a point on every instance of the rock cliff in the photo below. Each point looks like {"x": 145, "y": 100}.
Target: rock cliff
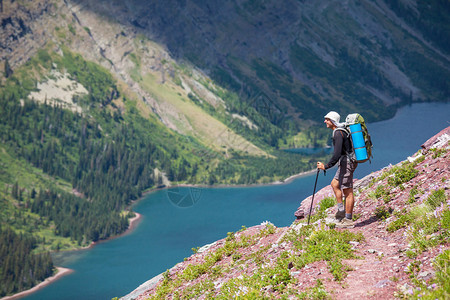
{"x": 399, "y": 246}
{"x": 22, "y": 30}
{"x": 300, "y": 57}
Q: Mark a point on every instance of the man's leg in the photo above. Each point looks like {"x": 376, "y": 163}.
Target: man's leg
{"x": 349, "y": 202}
{"x": 337, "y": 190}
{"x": 338, "y": 193}
{"x": 347, "y": 222}
{"x": 347, "y": 184}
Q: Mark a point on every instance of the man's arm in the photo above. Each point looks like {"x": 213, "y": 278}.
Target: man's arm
{"x": 338, "y": 144}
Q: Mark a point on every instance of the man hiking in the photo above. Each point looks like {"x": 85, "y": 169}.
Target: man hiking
{"x": 342, "y": 182}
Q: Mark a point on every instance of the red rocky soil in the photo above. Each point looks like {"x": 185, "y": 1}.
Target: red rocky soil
{"x": 382, "y": 271}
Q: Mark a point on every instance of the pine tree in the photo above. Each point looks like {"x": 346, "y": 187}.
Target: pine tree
{"x": 8, "y": 70}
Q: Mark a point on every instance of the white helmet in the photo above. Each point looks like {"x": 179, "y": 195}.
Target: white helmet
{"x": 334, "y": 117}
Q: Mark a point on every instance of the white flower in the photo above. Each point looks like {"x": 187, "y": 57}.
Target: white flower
{"x": 266, "y": 223}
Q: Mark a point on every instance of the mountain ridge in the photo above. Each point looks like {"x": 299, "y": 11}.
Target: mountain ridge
{"x": 311, "y": 63}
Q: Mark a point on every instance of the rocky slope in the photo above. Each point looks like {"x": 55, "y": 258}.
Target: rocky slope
{"x": 399, "y": 246}
{"x": 349, "y": 54}
{"x": 297, "y": 57}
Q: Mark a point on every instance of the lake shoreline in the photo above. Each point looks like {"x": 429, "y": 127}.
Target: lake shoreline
{"x": 61, "y": 272}
{"x": 66, "y": 271}
{"x": 280, "y": 182}
{"x": 133, "y": 223}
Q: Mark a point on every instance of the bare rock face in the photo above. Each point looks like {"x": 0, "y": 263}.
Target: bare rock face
{"x": 299, "y": 213}
{"x": 388, "y": 264}
{"x": 22, "y": 31}
{"x": 438, "y": 141}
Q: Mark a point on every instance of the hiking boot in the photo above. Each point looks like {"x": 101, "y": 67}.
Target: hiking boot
{"x": 340, "y": 214}
{"x": 345, "y": 223}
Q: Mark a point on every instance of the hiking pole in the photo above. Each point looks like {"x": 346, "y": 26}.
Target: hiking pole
{"x": 314, "y": 192}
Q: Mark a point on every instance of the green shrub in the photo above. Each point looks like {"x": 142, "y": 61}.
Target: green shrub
{"x": 402, "y": 174}
{"x": 277, "y": 276}
{"x": 327, "y": 203}
{"x": 356, "y": 216}
{"x": 381, "y": 192}
{"x": 268, "y": 230}
{"x": 438, "y": 152}
{"x": 321, "y": 208}
{"x": 411, "y": 254}
{"x": 436, "y": 198}
{"x": 419, "y": 160}
{"x": 412, "y": 195}
{"x": 71, "y": 29}
{"x": 442, "y": 266}
{"x": 236, "y": 256}
{"x": 316, "y": 292}
{"x": 423, "y": 233}
{"x": 44, "y": 58}
{"x": 402, "y": 220}
{"x": 383, "y": 212}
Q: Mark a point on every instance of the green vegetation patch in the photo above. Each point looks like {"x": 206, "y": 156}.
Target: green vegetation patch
{"x": 316, "y": 292}
{"x": 209, "y": 270}
{"x": 381, "y": 192}
{"x": 403, "y": 220}
{"x": 402, "y": 174}
{"x": 436, "y": 198}
{"x": 383, "y": 212}
{"x": 321, "y": 209}
{"x": 427, "y": 225}
{"x": 310, "y": 245}
{"x": 329, "y": 245}
{"x": 436, "y": 288}
{"x": 396, "y": 177}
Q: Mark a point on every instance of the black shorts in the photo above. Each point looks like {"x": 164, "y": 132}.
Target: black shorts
{"x": 344, "y": 173}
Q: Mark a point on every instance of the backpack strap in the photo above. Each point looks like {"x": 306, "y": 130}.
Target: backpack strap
{"x": 348, "y": 136}
{"x": 342, "y": 129}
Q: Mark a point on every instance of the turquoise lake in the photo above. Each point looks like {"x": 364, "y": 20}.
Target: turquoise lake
{"x": 167, "y": 232}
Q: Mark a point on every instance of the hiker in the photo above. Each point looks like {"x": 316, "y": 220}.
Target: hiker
{"x": 342, "y": 182}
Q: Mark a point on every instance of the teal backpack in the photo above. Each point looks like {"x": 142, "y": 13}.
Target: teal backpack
{"x": 356, "y": 129}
